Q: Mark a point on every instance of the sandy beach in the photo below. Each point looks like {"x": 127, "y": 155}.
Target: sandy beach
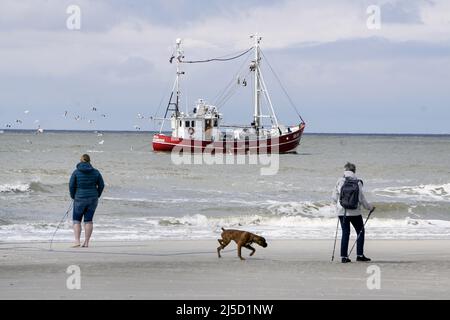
{"x": 287, "y": 269}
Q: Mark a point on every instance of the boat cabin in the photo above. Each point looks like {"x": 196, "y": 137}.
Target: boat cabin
{"x": 202, "y": 124}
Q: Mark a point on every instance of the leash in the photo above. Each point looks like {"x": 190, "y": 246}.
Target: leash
{"x": 59, "y": 224}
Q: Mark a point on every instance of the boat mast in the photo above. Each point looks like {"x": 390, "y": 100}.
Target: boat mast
{"x": 175, "y": 106}
{"x": 179, "y": 72}
{"x": 257, "y": 110}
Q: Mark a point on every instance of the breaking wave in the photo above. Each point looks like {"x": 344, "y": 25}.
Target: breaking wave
{"x": 203, "y": 227}
{"x": 34, "y": 186}
{"x": 304, "y": 208}
{"x": 311, "y": 209}
{"x": 14, "y": 188}
{"x": 429, "y": 192}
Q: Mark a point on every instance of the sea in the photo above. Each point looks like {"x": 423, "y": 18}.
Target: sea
{"x": 148, "y": 196}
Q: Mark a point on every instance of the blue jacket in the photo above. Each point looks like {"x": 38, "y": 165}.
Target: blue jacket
{"x": 86, "y": 182}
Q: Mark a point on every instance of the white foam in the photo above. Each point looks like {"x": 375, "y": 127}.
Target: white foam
{"x": 20, "y": 187}
{"x": 127, "y": 199}
{"x": 202, "y": 227}
{"x": 305, "y": 208}
{"x": 429, "y": 192}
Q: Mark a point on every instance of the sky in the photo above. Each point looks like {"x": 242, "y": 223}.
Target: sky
{"x": 341, "y": 75}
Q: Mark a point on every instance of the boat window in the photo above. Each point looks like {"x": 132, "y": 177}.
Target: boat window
{"x": 187, "y": 123}
{"x": 181, "y": 123}
{"x": 215, "y": 122}
{"x": 192, "y": 123}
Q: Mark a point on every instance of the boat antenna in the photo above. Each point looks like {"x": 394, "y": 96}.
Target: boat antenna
{"x": 282, "y": 87}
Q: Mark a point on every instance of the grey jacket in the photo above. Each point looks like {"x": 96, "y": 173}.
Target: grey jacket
{"x": 362, "y": 199}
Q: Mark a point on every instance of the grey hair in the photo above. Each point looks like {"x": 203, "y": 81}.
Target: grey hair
{"x": 350, "y": 167}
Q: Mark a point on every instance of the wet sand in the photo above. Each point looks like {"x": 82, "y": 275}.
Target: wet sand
{"x": 286, "y": 269}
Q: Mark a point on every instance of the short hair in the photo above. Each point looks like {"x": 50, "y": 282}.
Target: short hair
{"x": 350, "y": 167}
{"x": 85, "y": 158}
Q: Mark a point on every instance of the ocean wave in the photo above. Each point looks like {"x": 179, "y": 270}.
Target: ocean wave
{"x": 33, "y": 186}
{"x": 40, "y": 171}
{"x": 429, "y": 192}
{"x": 15, "y": 188}
{"x": 311, "y": 209}
{"x": 4, "y": 222}
{"x": 303, "y": 208}
{"x": 203, "y": 227}
{"x": 199, "y": 220}
{"x": 127, "y": 199}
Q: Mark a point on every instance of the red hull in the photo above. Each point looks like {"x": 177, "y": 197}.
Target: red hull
{"x": 283, "y": 144}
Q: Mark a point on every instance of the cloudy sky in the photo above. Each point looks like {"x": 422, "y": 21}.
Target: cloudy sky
{"x": 342, "y": 75}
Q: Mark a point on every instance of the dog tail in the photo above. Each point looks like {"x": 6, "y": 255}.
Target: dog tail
{"x": 223, "y": 229}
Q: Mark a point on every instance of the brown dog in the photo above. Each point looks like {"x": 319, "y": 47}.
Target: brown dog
{"x": 242, "y": 238}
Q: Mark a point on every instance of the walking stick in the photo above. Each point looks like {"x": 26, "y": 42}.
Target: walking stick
{"x": 359, "y": 234}
{"x": 335, "y": 239}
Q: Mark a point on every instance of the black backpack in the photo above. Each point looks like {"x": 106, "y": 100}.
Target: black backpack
{"x": 349, "y": 197}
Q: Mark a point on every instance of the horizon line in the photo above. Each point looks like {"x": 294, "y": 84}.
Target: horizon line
{"x": 155, "y": 131}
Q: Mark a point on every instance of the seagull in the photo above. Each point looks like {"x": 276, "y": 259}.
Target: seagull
{"x": 19, "y": 121}
{"x": 91, "y": 121}
{"x": 26, "y": 111}
{"x": 137, "y": 127}
{"x": 101, "y": 142}
{"x": 140, "y": 116}
{"x": 94, "y": 109}
{"x": 65, "y": 113}
{"x": 77, "y": 118}
{"x": 8, "y": 125}
{"x": 103, "y": 115}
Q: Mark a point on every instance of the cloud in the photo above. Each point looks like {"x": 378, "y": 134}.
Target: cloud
{"x": 323, "y": 51}
{"x": 367, "y": 49}
{"x": 133, "y": 67}
{"x": 405, "y": 12}
{"x": 113, "y": 32}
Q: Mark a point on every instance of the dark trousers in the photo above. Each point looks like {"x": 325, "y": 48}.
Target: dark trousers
{"x": 358, "y": 224}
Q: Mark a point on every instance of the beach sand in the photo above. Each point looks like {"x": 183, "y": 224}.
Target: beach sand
{"x": 286, "y": 269}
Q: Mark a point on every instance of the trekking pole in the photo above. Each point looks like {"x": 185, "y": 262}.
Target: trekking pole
{"x": 59, "y": 224}
{"x": 335, "y": 239}
{"x": 359, "y": 234}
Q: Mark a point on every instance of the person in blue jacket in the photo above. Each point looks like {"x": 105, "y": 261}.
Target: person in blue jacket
{"x": 86, "y": 186}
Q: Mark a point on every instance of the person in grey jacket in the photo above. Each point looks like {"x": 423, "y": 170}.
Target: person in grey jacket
{"x": 347, "y": 216}
{"x": 86, "y": 186}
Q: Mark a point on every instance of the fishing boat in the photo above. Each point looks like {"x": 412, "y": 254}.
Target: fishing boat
{"x": 203, "y": 129}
